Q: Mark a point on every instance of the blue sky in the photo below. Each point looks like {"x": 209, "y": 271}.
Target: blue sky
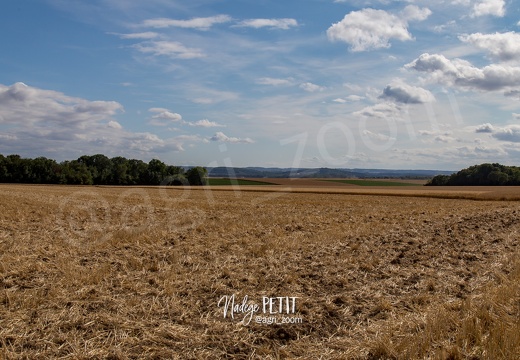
{"x": 307, "y": 83}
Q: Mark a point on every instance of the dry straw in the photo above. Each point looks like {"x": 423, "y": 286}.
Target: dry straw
{"x": 121, "y": 273}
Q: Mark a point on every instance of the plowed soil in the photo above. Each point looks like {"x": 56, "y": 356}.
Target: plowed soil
{"x": 322, "y": 186}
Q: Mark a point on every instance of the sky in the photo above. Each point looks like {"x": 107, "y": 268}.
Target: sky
{"x": 294, "y": 83}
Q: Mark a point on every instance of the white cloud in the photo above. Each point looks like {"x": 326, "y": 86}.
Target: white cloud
{"x": 273, "y": 81}
{"x": 370, "y": 29}
{"x": 171, "y": 49}
{"x": 205, "y": 123}
{"x": 485, "y": 128}
{"x": 509, "y": 133}
{"x": 21, "y": 102}
{"x": 195, "y": 23}
{"x": 489, "y": 7}
{"x": 143, "y": 35}
{"x": 114, "y": 125}
{"x": 203, "y": 100}
{"x": 165, "y": 114}
{"x": 502, "y": 46}
{"x": 444, "y": 139}
{"x": 283, "y": 24}
{"x": 380, "y": 111}
{"x": 463, "y": 74}
{"x": 377, "y": 136}
{"x": 207, "y": 96}
{"x": 221, "y": 137}
{"x": 48, "y": 123}
{"x": 415, "y": 13}
{"x": 354, "y": 98}
{"x": 407, "y": 94}
{"x": 310, "y": 87}
{"x": 434, "y": 133}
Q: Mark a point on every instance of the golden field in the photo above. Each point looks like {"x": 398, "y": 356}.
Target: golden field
{"x": 140, "y": 272}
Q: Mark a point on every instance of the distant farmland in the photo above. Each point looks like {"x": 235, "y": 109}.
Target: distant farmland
{"x": 365, "y": 182}
{"x": 228, "y": 181}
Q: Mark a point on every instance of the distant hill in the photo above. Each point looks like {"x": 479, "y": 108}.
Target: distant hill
{"x": 480, "y": 175}
{"x": 260, "y": 172}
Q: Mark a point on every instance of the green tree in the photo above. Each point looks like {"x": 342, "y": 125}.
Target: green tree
{"x": 3, "y": 169}
{"x": 44, "y": 171}
{"x": 156, "y": 172}
{"x": 497, "y": 177}
{"x": 137, "y": 172}
{"x": 18, "y": 169}
{"x": 75, "y": 173}
{"x": 439, "y": 180}
{"x": 197, "y": 176}
{"x": 120, "y": 174}
{"x": 100, "y": 167}
{"x": 481, "y": 175}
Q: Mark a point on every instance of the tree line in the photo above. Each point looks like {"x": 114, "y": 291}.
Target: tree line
{"x": 480, "y": 175}
{"x": 97, "y": 170}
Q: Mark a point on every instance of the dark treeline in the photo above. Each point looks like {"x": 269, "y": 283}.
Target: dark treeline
{"x": 480, "y": 175}
{"x": 97, "y": 170}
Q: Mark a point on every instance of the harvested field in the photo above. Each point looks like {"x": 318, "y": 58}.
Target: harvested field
{"x": 128, "y": 273}
{"x": 325, "y": 186}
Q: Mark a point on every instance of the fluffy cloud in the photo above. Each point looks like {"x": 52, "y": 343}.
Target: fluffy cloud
{"x": 114, "y": 125}
{"x": 221, "y": 137}
{"x": 509, "y": 133}
{"x": 463, "y": 74}
{"x": 20, "y": 102}
{"x": 171, "y": 49}
{"x": 164, "y": 117}
{"x": 407, "y": 94}
{"x": 50, "y": 123}
{"x": 502, "y": 46}
{"x": 165, "y": 114}
{"x": 283, "y": 24}
{"x": 380, "y": 111}
{"x": 369, "y": 29}
{"x": 310, "y": 87}
{"x": 195, "y": 23}
{"x": 485, "y": 128}
{"x": 489, "y": 7}
{"x": 205, "y": 123}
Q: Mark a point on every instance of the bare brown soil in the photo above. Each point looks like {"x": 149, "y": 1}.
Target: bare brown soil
{"x": 102, "y": 272}
{"x": 327, "y": 187}
{"x": 323, "y": 183}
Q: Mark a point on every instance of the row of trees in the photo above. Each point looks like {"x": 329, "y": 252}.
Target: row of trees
{"x": 97, "y": 170}
{"x": 480, "y": 175}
